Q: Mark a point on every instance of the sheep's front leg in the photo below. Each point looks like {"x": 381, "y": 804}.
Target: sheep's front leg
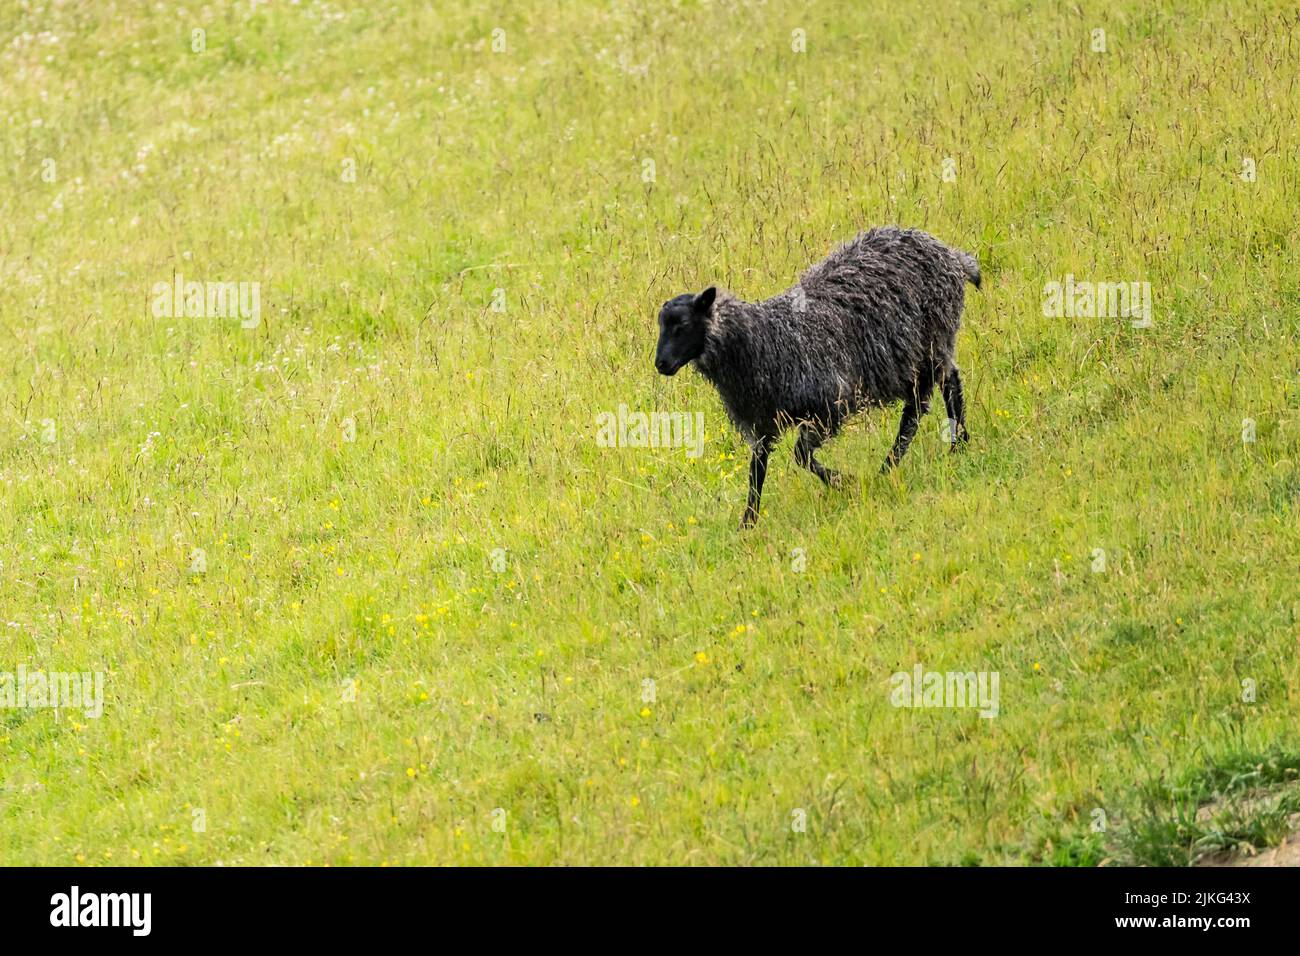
{"x": 757, "y": 472}
{"x": 805, "y": 453}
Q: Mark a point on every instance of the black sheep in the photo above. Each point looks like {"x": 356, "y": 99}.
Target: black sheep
{"x": 874, "y": 322}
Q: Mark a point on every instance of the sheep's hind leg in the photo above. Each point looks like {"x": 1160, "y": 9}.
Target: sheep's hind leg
{"x": 955, "y": 402}
{"x": 805, "y": 448}
{"x": 918, "y": 403}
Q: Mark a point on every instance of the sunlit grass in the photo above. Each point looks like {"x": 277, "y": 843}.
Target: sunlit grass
{"x": 350, "y": 681}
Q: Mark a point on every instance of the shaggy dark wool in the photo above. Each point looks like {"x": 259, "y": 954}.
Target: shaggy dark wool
{"x": 874, "y": 322}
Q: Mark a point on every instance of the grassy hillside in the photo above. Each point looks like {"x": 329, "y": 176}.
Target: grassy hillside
{"x": 365, "y": 588}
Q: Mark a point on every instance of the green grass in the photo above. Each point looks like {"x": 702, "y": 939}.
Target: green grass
{"x": 350, "y": 681}
{"x": 1240, "y": 802}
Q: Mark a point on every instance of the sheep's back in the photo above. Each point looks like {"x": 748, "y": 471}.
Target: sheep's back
{"x": 878, "y": 309}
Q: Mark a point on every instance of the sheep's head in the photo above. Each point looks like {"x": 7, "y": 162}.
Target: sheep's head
{"x": 683, "y": 330}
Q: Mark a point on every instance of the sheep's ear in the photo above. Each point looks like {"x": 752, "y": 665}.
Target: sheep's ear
{"x": 704, "y": 301}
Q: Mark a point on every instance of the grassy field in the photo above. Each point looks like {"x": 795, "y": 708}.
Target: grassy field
{"x": 365, "y": 588}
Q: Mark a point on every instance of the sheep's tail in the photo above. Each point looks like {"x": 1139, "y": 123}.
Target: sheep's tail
{"x": 970, "y": 265}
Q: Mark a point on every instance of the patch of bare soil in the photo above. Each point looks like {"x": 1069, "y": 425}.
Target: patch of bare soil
{"x": 1286, "y": 853}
